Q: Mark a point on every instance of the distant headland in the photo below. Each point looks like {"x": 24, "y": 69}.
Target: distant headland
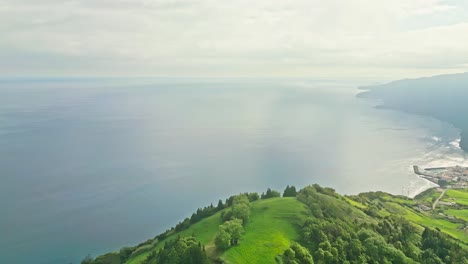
{"x": 443, "y": 97}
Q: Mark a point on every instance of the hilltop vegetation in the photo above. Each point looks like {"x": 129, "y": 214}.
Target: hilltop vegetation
{"x": 312, "y": 225}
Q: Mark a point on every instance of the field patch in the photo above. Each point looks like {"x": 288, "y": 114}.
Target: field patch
{"x": 272, "y": 227}
{"x": 461, "y": 196}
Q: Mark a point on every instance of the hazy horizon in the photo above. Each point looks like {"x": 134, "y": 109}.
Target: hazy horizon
{"x": 358, "y": 39}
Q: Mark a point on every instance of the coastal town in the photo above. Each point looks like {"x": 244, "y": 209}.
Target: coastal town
{"x": 445, "y": 201}
{"x": 455, "y": 177}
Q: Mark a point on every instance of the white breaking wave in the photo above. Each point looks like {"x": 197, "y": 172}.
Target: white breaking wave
{"x": 442, "y": 151}
{"x": 418, "y": 186}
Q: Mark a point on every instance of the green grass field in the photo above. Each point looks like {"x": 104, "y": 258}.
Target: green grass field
{"x": 442, "y": 224}
{"x": 355, "y": 204}
{"x": 431, "y": 221}
{"x": 204, "y": 231}
{"x": 404, "y": 207}
{"x": 461, "y": 196}
{"x": 269, "y": 231}
{"x": 428, "y": 196}
{"x": 462, "y": 214}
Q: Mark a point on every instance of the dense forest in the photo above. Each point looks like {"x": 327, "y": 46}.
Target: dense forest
{"x": 326, "y": 228}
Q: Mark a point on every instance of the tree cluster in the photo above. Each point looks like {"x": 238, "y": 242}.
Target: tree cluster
{"x": 210, "y": 210}
{"x": 290, "y": 191}
{"x": 339, "y": 233}
{"x": 240, "y": 209}
{"x": 235, "y": 217}
{"x": 270, "y": 194}
{"x": 229, "y": 234}
{"x": 297, "y": 254}
{"x": 200, "y": 214}
{"x": 110, "y": 258}
{"x": 250, "y": 196}
{"x": 203, "y": 213}
{"x": 438, "y": 248}
{"x": 187, "y": 250}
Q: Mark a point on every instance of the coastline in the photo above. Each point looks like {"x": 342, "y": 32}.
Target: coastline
{"x": 371, "y": 92}
{"x": 423, "y": 189}
{"x": 439, "y": 97}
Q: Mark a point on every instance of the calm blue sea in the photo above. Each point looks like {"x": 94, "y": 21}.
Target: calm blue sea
{"x": 91, "y": 165}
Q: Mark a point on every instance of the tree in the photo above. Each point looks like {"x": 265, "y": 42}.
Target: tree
{"x": 302, "y": 255}
{"x": 253, "y": 196}
{"x": 186, "y": 250}
{"x": 290, "y": 191}
{"x": 241, "y": 211}
{"x": 87, "y": 260}
{"x": 270, "y": 194}
{"x": 220, "y": 205}
{"x": 234, "y": 228}
{"x": 297, "y": 254}
{"x": 125, "y": 253}
{"x": 229, "y": 234}
{"x": 429, "y": 257}
{"x": 240, "y": 199}
{"x": 194, "y": 255}
{"x": 223, "y": 240}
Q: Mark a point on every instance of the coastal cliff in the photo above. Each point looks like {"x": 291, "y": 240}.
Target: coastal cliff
{"x": 443, "y": 97}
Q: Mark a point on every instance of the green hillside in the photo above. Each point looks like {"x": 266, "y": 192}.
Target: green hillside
{"x": 371, "y": 227}
{"x": 273, "y": 224}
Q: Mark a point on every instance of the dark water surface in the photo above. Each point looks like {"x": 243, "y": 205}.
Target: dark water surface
{"x": 89, "y": 166}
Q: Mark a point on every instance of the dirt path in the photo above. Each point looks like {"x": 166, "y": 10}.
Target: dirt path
{"x": 211, "y": 251}
{"x": 437, "y": 201}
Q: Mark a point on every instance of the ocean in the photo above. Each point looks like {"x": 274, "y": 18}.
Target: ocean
{"x": 88, "y": 166}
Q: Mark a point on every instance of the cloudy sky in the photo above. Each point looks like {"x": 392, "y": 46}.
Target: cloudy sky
{"x": 307, "y": 38}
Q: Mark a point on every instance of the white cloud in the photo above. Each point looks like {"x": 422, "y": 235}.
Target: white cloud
{"x": 232, "y": 38}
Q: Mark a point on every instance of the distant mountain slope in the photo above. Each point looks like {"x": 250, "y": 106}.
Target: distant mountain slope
{"x": 371, "y": 227}
{"x": 444, "y": 97}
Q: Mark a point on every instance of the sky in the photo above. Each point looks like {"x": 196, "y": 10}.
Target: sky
{"x": 235, "y": 38}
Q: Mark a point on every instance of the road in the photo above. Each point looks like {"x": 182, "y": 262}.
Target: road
{"x": 436, "y": 201}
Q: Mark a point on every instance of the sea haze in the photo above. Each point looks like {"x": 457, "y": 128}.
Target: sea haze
{"x": 90, "y": 165}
